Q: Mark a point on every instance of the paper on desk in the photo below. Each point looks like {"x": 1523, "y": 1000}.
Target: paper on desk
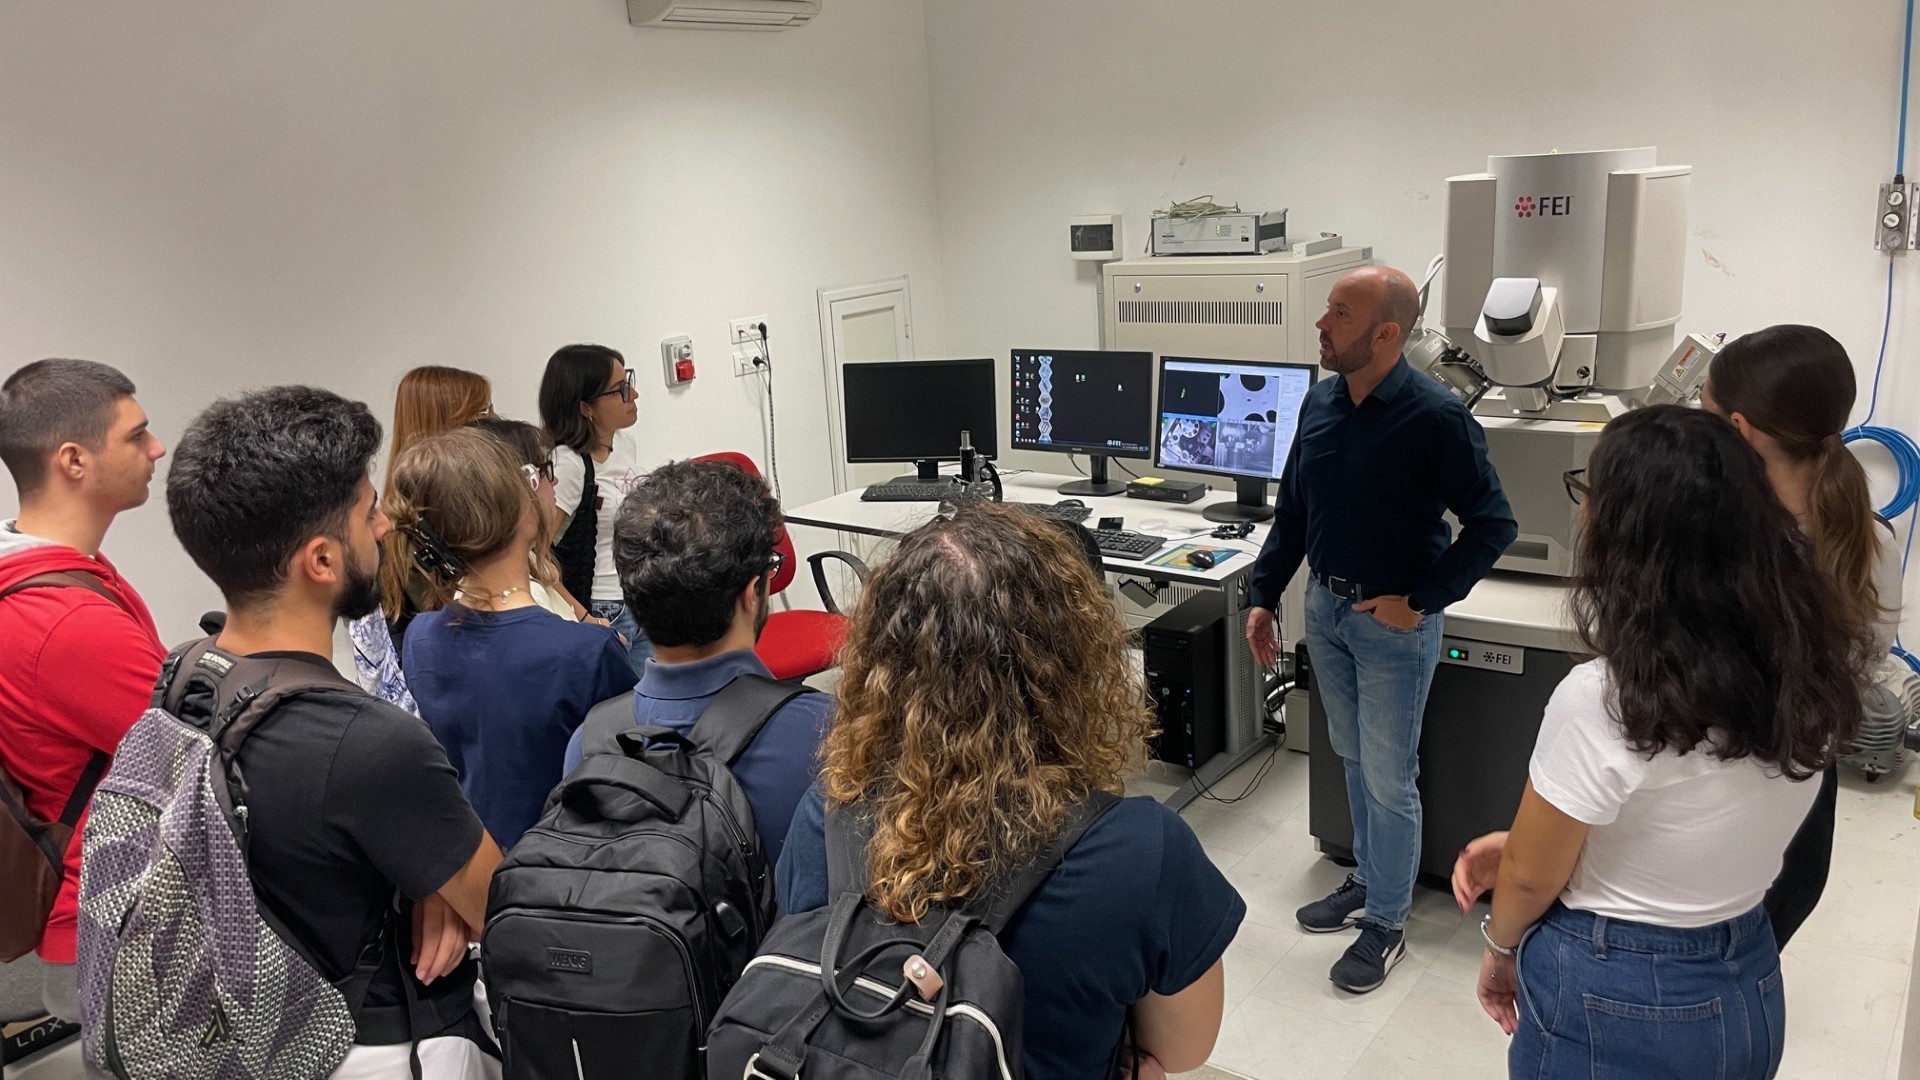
{"x": 1177, "y": 558}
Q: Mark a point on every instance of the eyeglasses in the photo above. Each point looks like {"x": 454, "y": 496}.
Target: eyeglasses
{"x": 775, "y": 563}
{"x": 624, "y": 388}
{"x": 1576, "y": 482}
{"x": 536, "y": 473}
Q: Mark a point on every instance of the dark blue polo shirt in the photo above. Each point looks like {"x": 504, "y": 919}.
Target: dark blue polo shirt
{"x": 1366, "y": 485}
{"x": 774, "y": 770}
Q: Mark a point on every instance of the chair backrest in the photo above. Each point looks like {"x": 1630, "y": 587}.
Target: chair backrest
{"x": 782, "y": 543}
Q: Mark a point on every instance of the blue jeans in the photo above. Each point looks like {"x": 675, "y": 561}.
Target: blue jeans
{"x": 1373, "y": 681}
{"x": 1602, "y": 999}
{"x": 639, "y": 649}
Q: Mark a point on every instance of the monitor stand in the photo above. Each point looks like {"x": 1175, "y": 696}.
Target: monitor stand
{"x": 1249, "y": 504}
{"x": 1096, "y": 482}
{"x": 928, "y": 473}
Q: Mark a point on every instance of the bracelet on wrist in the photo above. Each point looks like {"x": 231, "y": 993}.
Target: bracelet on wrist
{"x": 1493, "y": 946}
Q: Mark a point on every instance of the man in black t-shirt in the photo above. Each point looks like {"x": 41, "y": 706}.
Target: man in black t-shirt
{"x": 352, "y": 802}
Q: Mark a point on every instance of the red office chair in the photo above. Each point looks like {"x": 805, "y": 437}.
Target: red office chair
{"x": 799, "y": 642}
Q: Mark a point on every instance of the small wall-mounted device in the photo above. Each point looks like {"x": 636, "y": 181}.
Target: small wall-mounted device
{"x": 676, "y": 353}
{"x": 1094, "y": 237}
{"x": 1897, "y": 228}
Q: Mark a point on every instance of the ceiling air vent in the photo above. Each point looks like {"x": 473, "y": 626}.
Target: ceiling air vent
{"x": 723, "y": 14}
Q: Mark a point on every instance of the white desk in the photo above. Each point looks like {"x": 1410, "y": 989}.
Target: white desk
{"x": 1178, "y": 522}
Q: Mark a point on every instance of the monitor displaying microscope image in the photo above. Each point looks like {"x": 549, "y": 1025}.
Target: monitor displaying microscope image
{"x": 1230, "y": 417}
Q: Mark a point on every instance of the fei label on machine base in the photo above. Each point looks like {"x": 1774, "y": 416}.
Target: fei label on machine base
{"x": 1479, "y": 654}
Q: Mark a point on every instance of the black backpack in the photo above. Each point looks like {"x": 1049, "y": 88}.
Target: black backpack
{"x": 829, "y": 995}
{"x": 33, "y": 851}
{"x": 620, "y": 920}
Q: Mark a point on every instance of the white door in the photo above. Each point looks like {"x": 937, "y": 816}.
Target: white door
{"x": 859, "y": 323}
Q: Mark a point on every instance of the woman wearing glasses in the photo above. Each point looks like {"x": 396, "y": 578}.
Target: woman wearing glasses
{"x": 502, "y": 681}
{"x": 535, "y": 453}
{"x": 1670, "y": 772}
{"x": 587, "y": 403}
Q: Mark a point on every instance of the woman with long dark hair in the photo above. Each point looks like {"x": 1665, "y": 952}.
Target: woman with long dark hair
{"x": 986, "y": 692}
{"x": 587, "y": 403}
{"x": 1670, "y": 772}
{"x": 1788, "y": 391}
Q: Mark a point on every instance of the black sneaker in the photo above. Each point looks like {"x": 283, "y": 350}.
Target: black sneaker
{"x": 1366, "y": 962}
{"x": 1341, "y": 910}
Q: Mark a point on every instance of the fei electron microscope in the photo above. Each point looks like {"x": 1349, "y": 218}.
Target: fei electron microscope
{"x": 1560, "y": 298}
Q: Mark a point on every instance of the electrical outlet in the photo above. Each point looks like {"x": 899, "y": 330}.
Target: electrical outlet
{"x": 745, "y": 331}
{"x": 1895, "y": 230}
{"x": 743, "y": 360}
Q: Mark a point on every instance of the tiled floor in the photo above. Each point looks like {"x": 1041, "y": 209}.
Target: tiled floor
{"x": 1846, "y": 973}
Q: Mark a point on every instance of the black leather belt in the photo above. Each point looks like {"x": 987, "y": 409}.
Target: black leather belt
{"x": 1352, "y": 590}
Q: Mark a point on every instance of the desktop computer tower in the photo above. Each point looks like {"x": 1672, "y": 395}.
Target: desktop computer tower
{"x": 1186, "y": 676}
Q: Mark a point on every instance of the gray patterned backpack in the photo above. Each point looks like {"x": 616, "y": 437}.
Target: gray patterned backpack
{"x": 184, "y": 973}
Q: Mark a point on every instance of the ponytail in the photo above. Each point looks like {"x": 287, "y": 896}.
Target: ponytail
{"x": 1840, "y": 522}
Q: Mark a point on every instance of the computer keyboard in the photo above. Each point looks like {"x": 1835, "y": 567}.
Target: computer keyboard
{"x": 1120, "y": 544}
{"x": 1070, "y": 512}
{"x": 929, "y": 492}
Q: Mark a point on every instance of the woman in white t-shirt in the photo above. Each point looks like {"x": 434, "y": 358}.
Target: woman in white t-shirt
{"x": 1670, "y": 773}
{"x": 587, "y": 401}
{"x": 1788, "y": 390}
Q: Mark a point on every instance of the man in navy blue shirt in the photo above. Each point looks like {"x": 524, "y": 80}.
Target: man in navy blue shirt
{"x": 694, "y": 548}
{"x": 1381, "y": 453}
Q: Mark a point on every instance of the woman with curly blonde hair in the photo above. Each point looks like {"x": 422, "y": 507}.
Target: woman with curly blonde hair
{"x": 986, "y": 691}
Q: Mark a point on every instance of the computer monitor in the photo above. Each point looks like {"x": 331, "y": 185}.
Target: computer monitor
{"x": 915, "y": 410}
{"x": 1233, "y": 418}
{"x": 1082, "y": 402}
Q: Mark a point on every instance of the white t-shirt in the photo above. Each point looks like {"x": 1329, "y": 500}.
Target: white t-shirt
{"x": 614, "y": 477}
{"x": 1674, "y": 840}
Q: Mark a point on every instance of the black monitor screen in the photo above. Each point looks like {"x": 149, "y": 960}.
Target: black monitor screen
{"x": 915, "y": 410}
{"x": 1084, "y": 402}
{"x": 1233, "y": 417}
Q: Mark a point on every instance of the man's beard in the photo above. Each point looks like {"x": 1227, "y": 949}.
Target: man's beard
{"x": 1356, "y": 355}
{"x": 361, "y": 596}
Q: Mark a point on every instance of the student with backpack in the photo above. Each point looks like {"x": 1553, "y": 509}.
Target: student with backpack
{"x": 78, "y": 649}
{"x": 323, "y": 826}
{"x": 648, "y": 880}
{"x": 502, "y": 681}
{"x": 968, "y": 806}
{"x": 694, "y": 544}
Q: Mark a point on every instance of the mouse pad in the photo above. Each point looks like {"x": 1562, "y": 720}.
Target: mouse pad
{"x": 1176, "y": 559}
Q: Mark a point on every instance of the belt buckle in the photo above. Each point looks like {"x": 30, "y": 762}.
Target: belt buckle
{"x": 1340, "y": 587}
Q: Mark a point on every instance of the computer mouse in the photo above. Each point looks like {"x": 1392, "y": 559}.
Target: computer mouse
{"x": 1070, "y": 502}
{"x": 1202, "y": 559}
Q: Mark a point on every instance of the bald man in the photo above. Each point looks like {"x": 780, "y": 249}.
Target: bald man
{"x": 1380, "y": 454}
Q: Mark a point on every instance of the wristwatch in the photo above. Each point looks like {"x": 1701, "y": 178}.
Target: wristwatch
{"x": 1416, "y": 608}
{"x": 1492, "y": 945}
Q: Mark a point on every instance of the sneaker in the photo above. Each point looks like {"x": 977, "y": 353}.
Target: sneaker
{"x": 1341, "y": 910}
{"x": 1366, "y": 962}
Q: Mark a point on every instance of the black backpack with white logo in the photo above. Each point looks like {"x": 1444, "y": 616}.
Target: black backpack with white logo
{"x": 620, "y": 920}
{"x": 842, "y": 993}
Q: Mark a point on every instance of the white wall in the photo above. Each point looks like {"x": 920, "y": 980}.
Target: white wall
{"x": 1353, "y": 112}
{"x": 233, "y": 193}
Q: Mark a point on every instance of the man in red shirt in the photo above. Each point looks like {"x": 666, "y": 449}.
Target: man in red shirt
{"x": 77, "y": 667}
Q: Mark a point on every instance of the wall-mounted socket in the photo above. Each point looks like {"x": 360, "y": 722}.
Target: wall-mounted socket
{"x": 676, "y": 355}
{"x": 1895, "y": 230}
{"x": 743, "y": 360}
{"x": 744, "y": 331}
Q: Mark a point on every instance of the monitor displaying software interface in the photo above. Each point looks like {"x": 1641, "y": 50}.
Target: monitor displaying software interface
{"x": 1232, "y": 417}
{"x": 1076, "y": 401}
